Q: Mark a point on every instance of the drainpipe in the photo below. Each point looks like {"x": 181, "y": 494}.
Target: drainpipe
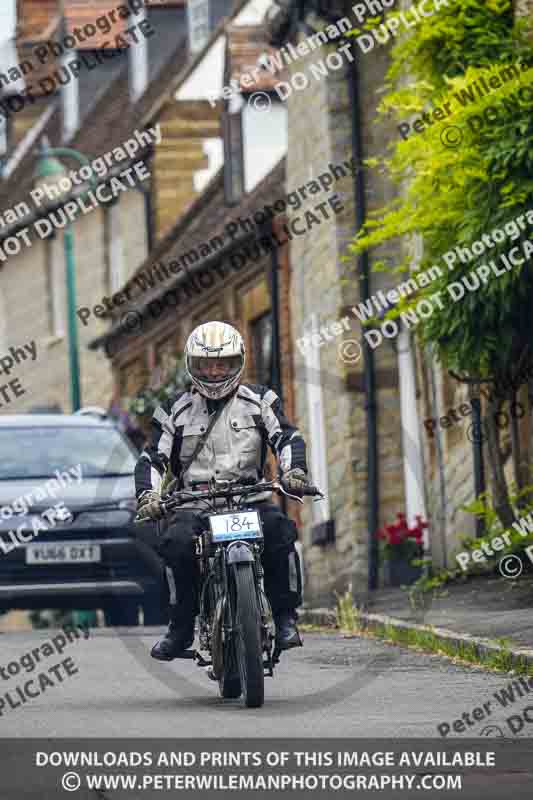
{"x": 477, "y": 452}
{"x": 276, "y": 381}
{"x": 148, "y": 204}
{"x": 275, "y": 374}
{"x": 267, "y": 231}
{"x": 363, "y": 268}
{"x": 148, "y": 218}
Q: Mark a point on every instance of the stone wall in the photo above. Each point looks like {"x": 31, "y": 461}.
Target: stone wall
{"x": 448, "y": 458}
{"x": 320, "y": 133}
{"x": 26, "y": 297}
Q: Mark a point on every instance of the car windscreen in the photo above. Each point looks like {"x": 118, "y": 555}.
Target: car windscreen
{"x": 37, "y": 452}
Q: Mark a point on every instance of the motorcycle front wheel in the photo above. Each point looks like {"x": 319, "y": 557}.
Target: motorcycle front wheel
{"x": 248, "y": 645}
{"x": 230, "y": 686}
{"x": 224, "y": 662}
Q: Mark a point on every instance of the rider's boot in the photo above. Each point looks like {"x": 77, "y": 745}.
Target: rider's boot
{"x": 179, "y": 637}
{"x": 287, "y": 635}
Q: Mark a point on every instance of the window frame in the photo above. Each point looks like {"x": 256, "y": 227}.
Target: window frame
{"x": 54, "y": 277}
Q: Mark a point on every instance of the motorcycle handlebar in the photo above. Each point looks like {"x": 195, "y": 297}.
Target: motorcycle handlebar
{"x": 182, "y": 496}
{"x": 234, "y": 490}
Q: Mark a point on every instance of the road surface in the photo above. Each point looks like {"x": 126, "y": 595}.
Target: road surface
{"x": 332, "y": 687}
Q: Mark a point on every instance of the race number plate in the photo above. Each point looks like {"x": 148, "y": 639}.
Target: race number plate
{"x": 241, "y": 525}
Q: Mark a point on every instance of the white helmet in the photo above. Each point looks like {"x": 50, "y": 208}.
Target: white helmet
{"x": 214, "y": 359}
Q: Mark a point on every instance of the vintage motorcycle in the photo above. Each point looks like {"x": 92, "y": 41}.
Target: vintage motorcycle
{"x": 236, "y": 626}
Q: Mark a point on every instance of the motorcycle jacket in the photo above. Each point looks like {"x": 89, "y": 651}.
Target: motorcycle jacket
{"x": 251, "y": 420}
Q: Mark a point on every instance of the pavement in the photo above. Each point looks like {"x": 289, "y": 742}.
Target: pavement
{"x": 480, "y": 611}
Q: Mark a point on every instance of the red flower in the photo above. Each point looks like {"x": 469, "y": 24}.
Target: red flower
{"x": 421, "y": 523}
{"x": 396, "y": 537}
{"x": 399, "y": 531}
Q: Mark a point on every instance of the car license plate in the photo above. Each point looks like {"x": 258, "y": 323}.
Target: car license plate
{"x": 242, "y": 525}
{"x": 63, "y": 553}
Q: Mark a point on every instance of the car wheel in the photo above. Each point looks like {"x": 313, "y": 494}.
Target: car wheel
{"x": 123, "y": 612}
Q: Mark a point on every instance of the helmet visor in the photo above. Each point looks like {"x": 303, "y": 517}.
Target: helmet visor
{"x": 214, "y": 370}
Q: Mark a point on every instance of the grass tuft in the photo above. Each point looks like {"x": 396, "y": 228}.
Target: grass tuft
{"x": 347, "y": 614}
{"x": 349, "y": 621}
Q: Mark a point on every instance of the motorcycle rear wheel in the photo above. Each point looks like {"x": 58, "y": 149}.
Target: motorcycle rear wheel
{"x": 248, "y": 645}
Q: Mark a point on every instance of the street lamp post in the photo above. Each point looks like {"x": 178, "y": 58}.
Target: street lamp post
{"x": 49, "y": 171}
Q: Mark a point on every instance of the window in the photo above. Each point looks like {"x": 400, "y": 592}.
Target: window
{"x": 233, "y": 151}
{"x": 113, "y": 248}
{"x": 198, "y": 17}
{"x": 54, "y": 281}
{"x": 70, "y": 95}
{"x": 8, "y": 17}
{"x": 264, "y": 141}
{"x": 318, "y": 448}
{"x": 261, "y": 330}
{"x": 138, "y": 63}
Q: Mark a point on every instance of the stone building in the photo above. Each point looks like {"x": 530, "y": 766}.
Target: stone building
{"x": 365, "y": 409}
{"x": 86, "y": 83}
{"x": 352, "y": 404}
{"x": 222, "y": 254}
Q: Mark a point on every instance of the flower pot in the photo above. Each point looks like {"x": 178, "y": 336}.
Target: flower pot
{"x": 399, "y": 572}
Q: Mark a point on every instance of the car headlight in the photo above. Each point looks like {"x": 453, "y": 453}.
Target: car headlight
{"x": 16, "y": 521}
{"x": 114, "y": 517}
{"x": 130, "y": 504}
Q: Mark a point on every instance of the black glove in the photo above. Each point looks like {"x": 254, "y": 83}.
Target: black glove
{"x": 294, "y": 481}
{"x": 149, "y": 506}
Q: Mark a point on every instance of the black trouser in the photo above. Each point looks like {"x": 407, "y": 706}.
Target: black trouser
{"x": 283, "y": 582}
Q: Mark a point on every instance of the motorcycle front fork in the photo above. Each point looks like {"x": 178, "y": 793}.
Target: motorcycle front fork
{"x": 267, "y": 621}
{"x": 217, "y": 579}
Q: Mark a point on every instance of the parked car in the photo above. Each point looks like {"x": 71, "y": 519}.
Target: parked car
{"x": 90, "y": 554}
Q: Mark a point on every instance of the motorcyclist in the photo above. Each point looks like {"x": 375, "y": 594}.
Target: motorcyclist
{"x": 250, "y": 418}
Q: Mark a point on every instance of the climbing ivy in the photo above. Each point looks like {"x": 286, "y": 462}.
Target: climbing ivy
{"x": 460, "y": 178}
{"x": 460, "y": 34}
